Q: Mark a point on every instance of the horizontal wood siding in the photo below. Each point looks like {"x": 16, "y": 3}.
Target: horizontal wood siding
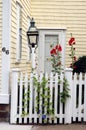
{"x": 0, "y": 37}
{"x": 26, "y": 12}
{"x": 63, "y": 13}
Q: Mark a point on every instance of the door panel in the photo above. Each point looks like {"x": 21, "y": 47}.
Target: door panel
{"x": 50, "y": 40}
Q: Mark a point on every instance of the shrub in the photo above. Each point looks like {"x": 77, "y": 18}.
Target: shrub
{"x": 80, "y": 65}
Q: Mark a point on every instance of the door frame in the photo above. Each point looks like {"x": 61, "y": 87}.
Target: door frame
{"x": 41, "y": 45}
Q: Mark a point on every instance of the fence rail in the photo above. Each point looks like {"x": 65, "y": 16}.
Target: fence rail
{"x": 31, "y": 103}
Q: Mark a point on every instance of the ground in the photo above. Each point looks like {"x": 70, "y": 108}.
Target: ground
{"x": 7, "y": 126}
{"x": 61, "y": 127}
{"x": 4, "y": 126}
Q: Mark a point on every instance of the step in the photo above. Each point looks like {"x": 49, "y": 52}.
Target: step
{"x": 4, "y": 113}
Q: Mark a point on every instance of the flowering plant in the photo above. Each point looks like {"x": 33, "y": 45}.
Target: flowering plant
{"x": 56, "y": 58}
{"x": 57, "y": 67}
{"x": 71, "y": 43}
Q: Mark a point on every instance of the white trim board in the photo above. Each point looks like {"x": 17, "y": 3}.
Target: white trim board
{"x": 4, "y": 98}
{"x": 6, "y": 33}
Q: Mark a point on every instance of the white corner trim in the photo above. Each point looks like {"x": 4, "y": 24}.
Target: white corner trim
{"x": 6, "y": 39}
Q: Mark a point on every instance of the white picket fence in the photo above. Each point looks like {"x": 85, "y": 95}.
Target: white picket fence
{"x": 24, "y": 94}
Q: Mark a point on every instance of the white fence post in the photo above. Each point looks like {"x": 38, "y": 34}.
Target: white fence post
{"x": 68, "y": 105}
{"x": 14, "y": 95}
{"x": 85, "y": 100}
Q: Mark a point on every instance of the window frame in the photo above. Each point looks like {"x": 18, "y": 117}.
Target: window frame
{"x": 28, "y": 49}
{"x": 19, "y": 32}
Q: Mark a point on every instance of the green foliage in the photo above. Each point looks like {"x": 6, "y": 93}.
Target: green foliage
{"x": 25, "y": 100}
{"x": 56, "y": 63}
{"x": 65, "y": 94}
{"x": 43, "y": 99}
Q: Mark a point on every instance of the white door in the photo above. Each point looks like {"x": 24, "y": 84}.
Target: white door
{"x": 46, "y": 39}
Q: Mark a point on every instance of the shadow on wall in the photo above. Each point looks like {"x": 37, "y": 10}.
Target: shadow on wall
{"x": 80, "y": 65}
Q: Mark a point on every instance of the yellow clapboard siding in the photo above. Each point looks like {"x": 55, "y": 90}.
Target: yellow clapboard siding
{"x": 59, "y": 13}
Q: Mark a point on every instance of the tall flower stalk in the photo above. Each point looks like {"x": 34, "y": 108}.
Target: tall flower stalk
{"x": 71, "y": 43}
{"x": 57, "y": 68}
{"x": 56, "y": 58}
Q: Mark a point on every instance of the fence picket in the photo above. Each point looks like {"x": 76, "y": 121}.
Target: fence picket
{"x": 56, "y": 98}
{"x": 74, "y": 112}
{"x": 35, "y": 102}
{"x": 40, "y": 98}
{"x": 80, "y": 97}
{"x": 20, "y": 98}
{"x": 31, "y": 98}
{"x": 26, "y": 96}
{"x": 61, "y": 104}
{"x": 85, "y": 99}
{"x": 51, "y": 86}
{"x": 46, "y": 94}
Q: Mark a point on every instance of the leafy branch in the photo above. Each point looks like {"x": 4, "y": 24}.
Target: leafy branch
{"x": 65, "y": 94}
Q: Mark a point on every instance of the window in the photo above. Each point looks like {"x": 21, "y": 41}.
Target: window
{"x": 46, "y": 38}
{"x": 19, "y": 31}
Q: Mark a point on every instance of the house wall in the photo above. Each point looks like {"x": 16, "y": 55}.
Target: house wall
{"x": 69, "y": 14}
{"x": 0, "y": 37}
{"x": 26, "y": 12}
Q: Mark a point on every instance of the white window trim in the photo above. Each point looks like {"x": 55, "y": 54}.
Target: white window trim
{"x": 28, "y": 49}
{"x": 18, "y": 33}
{"x": 41, "y": 45}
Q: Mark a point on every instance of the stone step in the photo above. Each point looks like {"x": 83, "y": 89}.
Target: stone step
{"x": 4, "y": 113}
{"x": 4, "y": 116}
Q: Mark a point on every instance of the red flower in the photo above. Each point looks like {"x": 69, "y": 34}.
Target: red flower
{"x": 71, "y": 65}
{"x": 74, "y": 58}
{"x": 71, "y": 41}
{"x": 58, "y": 47}
{"x": 74, "y": 67}
{"x": 53, "y": 52}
